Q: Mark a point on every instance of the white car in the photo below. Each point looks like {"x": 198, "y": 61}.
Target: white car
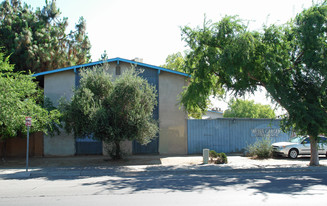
{"x": 298, "y": 146}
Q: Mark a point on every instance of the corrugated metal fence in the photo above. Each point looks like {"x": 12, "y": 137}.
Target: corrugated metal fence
{"x": 230, "y": 134}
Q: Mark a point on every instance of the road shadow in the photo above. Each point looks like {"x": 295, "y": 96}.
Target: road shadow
{"x": 273, "y": 181}
{"x": 122, "y": 179}
{"x": 292, "y": 184}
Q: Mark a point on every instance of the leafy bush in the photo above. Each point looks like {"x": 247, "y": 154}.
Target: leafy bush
{"x": 221, "y": 159}
{"x": 260, "y": 149}
{"x": 213, "y": 154}
{"x": 218, "y": 158}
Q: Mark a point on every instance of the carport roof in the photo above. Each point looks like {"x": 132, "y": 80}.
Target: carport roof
{"x": 109, "y": 61}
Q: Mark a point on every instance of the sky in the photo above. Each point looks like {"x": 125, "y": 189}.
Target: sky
{"x": 151, "y": 29}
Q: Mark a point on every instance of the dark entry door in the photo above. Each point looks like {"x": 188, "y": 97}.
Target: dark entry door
{"x": 88, "y": 146}
{"x": 151, "y": 148}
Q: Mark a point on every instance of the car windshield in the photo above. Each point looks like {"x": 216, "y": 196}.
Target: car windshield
{"x": 322, "y": 139}
{"x": 296, "y": 139}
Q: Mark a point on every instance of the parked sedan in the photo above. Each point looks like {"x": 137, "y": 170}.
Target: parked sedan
{"x": 298, "y": 146}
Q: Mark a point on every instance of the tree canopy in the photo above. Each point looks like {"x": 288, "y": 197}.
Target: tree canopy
{"x": 248, "y": 109}
{"x": 112, "y": 111}
{"x": 289, "y": 61}
{"x": 20, "y": 97}
{"x": 38, "y": 41}
{"x": 175, "y": 62}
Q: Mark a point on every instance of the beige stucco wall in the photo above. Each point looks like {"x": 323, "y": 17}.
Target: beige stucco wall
{"x": 59, "y": 85}
{"x": 172, "y": 119}
{"x": 112, "y": 68}
{"x": 59, "y": 145}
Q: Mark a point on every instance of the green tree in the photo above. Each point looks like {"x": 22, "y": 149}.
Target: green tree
{"x": 248, "y": 109}
{"x": 37, "y": 40}
{"x": 20, "y": 97}
{"x": 289, "y": 61}
{"x": 175, "y": 62}
{"x": 112, "y": 111}
{"x": 104, "y": 56}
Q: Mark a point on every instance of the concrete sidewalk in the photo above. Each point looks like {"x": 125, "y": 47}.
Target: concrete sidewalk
{"x": 79, "y": 166}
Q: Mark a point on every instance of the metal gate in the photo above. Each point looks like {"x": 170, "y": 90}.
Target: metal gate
{"x": 231, "y": 134}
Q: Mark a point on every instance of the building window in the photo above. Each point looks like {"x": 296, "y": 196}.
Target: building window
{"x": 118, "y": 70}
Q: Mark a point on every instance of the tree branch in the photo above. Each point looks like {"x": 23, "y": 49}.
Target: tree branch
{"x": 296, "y": 62}
{"x": 265, "y": 86}
{"x": 259, "y": 83}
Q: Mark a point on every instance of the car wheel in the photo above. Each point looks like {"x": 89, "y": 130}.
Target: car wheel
{"x": 293, "y": 153}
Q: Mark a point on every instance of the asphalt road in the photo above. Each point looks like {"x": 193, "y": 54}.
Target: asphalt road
{"x": 233, "y": 187}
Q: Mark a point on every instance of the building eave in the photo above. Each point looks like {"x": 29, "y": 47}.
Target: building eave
{"x": 118, "y": 60}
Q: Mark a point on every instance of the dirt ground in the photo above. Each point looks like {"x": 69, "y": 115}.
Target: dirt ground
{"x": 235, "y": 161}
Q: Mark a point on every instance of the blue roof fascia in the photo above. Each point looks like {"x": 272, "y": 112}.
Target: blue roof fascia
{"x": 118, "y": 60}
{"x": 67, "y": 68}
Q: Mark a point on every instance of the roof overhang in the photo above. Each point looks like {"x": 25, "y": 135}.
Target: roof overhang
{"x": 118, "y": 60}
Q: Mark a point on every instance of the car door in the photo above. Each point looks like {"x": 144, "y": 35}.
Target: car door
{"x": 322, "y": 146}
{"x": 304, "y": 147}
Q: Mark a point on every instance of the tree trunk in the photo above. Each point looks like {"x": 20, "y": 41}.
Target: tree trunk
{"x": 118, "y": 152}
{"x": 314, "y": 159}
